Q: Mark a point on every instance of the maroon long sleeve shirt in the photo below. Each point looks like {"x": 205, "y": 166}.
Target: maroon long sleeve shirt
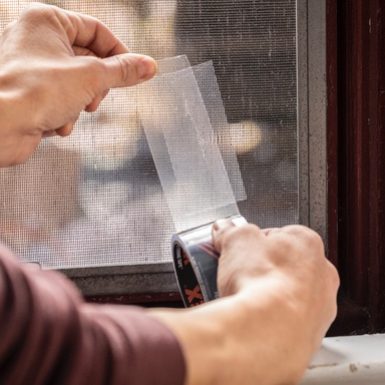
{"x": 48, "y": 335}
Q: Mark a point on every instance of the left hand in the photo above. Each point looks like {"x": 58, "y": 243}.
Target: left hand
{"x": 53, "y": 65}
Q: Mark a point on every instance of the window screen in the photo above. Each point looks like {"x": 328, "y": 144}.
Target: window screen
{"x": 94, "y": 199}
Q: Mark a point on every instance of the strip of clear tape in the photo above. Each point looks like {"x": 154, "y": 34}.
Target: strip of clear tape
{"x": 183, "y": 117}
{"x": 208, "y": 86}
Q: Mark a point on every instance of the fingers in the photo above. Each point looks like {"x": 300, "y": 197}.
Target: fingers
{"x": 81, "y": 30}
{"x": 97, "y": 76}
{"x": 88, "y": 32}
{"x": 49, "y": 134}
{"x": 81, "y": 51}
{"x": 333, "y": 275}
{"x": 94, "y": 105}
{"x": 128, "y": 70}
{"x": 9, "y": 27}
{"x": 65, "y": 130}
{"x": 62, "y": 131}
{"x": 226, "y": 233}
{"x": 91, "y": 33}
{"x": 302, "y": 233}
{"x": 268, "y": 231}
{"x": 311, "y": 241}
{"x": 297, "y": 234}
{"x": 220, "y": 227}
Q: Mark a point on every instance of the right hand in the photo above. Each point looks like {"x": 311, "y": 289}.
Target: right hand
{"x": 289, "y": 263}
{"x": 279, "y": 298}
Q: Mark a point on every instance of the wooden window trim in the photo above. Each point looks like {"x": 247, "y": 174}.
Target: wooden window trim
{"x": 356, "y": 160}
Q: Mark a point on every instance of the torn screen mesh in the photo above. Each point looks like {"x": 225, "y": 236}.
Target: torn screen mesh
{"x": 95, "y": 199}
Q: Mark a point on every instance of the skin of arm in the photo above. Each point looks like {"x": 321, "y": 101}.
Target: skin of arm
{"x": 278, "y": 290}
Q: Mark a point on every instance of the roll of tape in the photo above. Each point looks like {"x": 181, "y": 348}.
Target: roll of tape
{"x": 196, "y": 263}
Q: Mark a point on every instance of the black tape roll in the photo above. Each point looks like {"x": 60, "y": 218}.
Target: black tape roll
{"x": 196, "y": 263}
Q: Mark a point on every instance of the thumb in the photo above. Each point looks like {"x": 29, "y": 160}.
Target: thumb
{"x": 129, "y": 69}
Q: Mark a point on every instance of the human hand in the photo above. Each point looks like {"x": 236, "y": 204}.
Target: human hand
{"x": 289, "y": 262}
{"x": 55, "y": 64}
{"x": 278, "y": 299}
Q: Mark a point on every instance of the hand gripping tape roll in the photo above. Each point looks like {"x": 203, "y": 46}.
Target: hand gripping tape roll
{"x": 196, "y": 263}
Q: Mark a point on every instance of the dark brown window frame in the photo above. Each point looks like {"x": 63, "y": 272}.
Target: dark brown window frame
{"x": 356, "y": 160}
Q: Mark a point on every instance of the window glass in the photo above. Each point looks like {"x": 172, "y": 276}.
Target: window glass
{"x": 94, "y": 198}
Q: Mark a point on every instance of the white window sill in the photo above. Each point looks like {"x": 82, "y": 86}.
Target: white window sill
{"x": 358, "y": 360}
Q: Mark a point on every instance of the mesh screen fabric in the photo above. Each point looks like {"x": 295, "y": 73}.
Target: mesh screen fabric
{"x": 95, "y": 199}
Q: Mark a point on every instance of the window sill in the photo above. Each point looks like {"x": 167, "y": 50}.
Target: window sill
{"x": 124, "y": 280}
{"x": 358, "y": 360}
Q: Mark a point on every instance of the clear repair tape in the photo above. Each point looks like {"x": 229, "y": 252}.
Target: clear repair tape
{"x": 185, "y": 123}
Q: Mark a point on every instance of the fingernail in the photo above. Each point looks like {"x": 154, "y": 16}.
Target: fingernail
{"x": 146, "y": 68}
{"x": 221, "y": 224}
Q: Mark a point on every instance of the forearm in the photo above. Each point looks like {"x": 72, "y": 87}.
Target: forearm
{"x": 254, "y": 337}
{"x": 49, "y": 335}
